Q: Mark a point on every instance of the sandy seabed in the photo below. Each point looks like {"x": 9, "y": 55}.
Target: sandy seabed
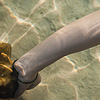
{"x": 26, "y": 23}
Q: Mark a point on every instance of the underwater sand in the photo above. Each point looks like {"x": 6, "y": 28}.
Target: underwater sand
{"x": 25, "y": 23}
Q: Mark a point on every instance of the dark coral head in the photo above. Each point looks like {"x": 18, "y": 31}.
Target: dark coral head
{"x": 8, "y": 83}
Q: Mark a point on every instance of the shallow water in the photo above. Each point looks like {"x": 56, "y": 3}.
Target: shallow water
{"x": 25, "y": 23}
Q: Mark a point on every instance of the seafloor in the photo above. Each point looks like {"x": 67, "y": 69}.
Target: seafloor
{"x": 25, "y": 23}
